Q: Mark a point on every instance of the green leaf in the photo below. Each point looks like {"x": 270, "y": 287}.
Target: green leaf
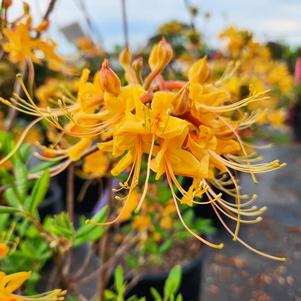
{"x": 21, "y": 180}
{"x": 155, "y": 294}
{"x": 131, "y": 261}
{"x": 11, "y": 197}
{"x": 109, "y": 295}
{"x": 24, "y": 151}
{"x": 42, "y": 166}
{"x": 6, "y": 142}
{"x": 90, "y": 232}
{"x": 38, "y": 192}
{"x": 165, "y": 246}
{"x": 23, "y": 227}
{"x": 173, "y": 282}
{"x": 5, "y": 209}
{"x": 135, "y": 298}
{"x": 119, "y": 279}
{"x": 179, "y": 298}
{"x": 4, "y": 220}
{"x": 60, "y": 225}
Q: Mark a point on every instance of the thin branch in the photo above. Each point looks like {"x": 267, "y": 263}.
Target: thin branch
{"x": 127, "y": 244}
{"x": 125, "y": 24}
{"x": 84, "y": 267}
{"x": 104, "y": 250}
{"x": 70, "y": 192}
{"x": 47, "y": 13}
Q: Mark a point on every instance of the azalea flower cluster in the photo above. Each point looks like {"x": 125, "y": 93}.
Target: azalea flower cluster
{"x": 172, "y": 128}
{"x": 255, "y": 70}
{"x": 23, "y": 44}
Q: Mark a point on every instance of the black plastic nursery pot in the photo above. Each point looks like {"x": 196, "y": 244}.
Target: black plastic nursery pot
{"x": 90, "y": 196}
{"x": 190, "y": 287}
{"x": 297, "y": 122}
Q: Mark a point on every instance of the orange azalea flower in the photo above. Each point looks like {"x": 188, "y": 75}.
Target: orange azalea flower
{"x": 177, "y": 128}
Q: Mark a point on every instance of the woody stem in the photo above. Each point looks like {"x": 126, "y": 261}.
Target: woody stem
{"x": 104, "y": 249}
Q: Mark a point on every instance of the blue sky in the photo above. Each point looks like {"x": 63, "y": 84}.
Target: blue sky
{"x": 269, "y": 19}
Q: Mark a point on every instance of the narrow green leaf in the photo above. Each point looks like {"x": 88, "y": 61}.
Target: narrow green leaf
{"x": 38, "y": 192}
{"x": 24, "y": 151}
{"x": 179, "y": 298}
{"x": 5, "y": 209}
{"x": 165, "y": 246}
{"x": 21, "y": 178}
{"x": 131, "y": 261}
{"x": 42, "y": 166}
{"x": 119, "y": 279}
{"x": 155, "y": 294}
{"x": 89, "y": 232}
{"x": 173, "y": 282}
{"x": 11, "y": 197}
{"x": 109, "y": 295}
{"x": 61, "y": 226}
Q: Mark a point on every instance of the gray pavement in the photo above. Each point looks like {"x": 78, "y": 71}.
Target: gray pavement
{"x": 236, "y": 274}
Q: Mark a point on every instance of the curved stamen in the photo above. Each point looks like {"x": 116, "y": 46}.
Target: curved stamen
{"x": 215, "y": 246}
{"x": 21, "y": 139}
{"x": 282, "y": 259}
{"x": 147, "y": 175}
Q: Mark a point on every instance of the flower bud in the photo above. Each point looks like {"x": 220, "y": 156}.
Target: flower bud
{"x": 161, "y": 54}
{"x": 125, "y": 57}
{"x": 137, "y": 66}
{"x": 6, "y": 4}
{"x": 199, "y": 72}
{"x": 26, "y": 8}
{"x": 42, "y": 26}
{"x": 109, "y": 80}
{"x": 181, "y": 102}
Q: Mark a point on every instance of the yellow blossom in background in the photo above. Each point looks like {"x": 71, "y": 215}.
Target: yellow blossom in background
{"x": 54, "y": 89}
{"x": 96, "y": 165}
{"x": 88, "y": 47}
{"x": 277, "y": 118}
{"x": 20, "y": 45}
{"x": 3, "y": 250}
{"x": 256, "y": 71}
{"x": 24, "y": 44}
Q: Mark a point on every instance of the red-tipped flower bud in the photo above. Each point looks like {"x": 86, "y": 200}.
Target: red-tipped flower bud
{"x": 42, "y": 26}
{"x": 6, "y": 4}
{"x": 109, "y": 79}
